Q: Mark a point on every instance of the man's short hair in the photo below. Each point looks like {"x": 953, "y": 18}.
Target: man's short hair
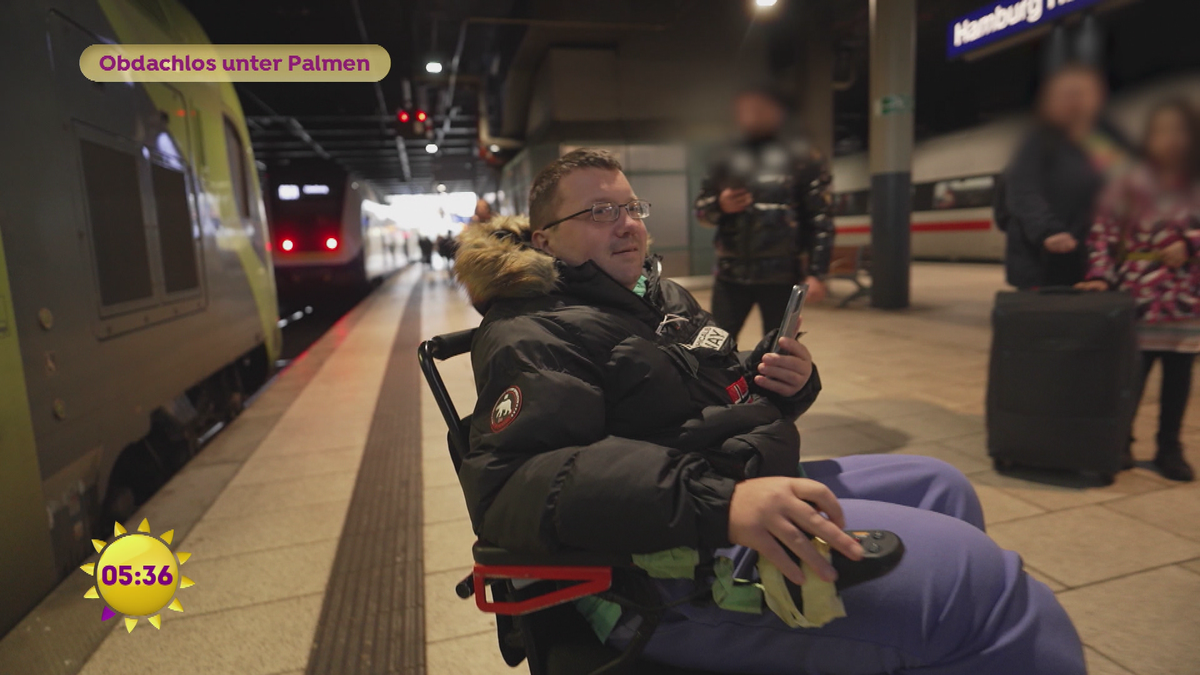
{"x": 543, "y": 194}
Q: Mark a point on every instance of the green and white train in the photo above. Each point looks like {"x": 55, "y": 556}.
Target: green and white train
{"x": 137, "y": 299}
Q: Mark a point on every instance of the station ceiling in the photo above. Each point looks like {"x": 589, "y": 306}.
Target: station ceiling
{"x": 351, "y": 124}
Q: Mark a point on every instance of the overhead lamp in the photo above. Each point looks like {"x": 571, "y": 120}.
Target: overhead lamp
{"x": 765, "y": 3}
{"x": 494, "y": 148}
{"x": 433, "y": 66}
{"x": 431, "y": 148}
{"x": 441, "y": 187}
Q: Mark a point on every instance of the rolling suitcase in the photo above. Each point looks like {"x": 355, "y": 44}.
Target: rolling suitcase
{"x": 1062, "y": 380}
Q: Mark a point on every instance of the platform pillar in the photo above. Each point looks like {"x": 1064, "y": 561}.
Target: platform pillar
{"x": 892, "y": 75}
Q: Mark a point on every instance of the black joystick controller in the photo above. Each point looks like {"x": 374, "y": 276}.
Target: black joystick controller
{"x": 882, "y": 551}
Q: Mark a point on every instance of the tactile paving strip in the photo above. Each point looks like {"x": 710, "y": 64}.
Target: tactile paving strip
{"x": 372, "y": 620}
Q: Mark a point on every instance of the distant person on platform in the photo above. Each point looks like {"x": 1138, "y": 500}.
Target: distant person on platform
{"x": 1145, "y": 241}
{"x": 769, "y": 198}
{"x": 426, "y": 245}
{"x": 1051, "y": 185}
{"x": 483, "y": 212}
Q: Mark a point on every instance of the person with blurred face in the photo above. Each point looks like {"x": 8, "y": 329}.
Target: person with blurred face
{"x": 613, "y": 415}
{"x": 1053, "y": 181}
{"x": 769, "y": 199}
{"x": 1144, "y": 241}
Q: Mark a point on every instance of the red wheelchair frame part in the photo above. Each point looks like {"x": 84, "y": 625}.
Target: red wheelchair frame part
{"x": 592, "y": 580}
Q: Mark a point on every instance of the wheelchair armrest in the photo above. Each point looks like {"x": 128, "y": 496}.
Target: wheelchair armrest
{"x": 486, "y": 554}
{"x": 446, "y": 346}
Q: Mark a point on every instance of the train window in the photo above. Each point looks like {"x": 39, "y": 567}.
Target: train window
{"x": 176, "y": 241}
{"x": 237, "y": 169}
{"x": 118, "y": 225}
{"x": 959, "y": 193}
{"x": 857, "y": 203}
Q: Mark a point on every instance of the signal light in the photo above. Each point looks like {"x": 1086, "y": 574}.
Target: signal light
{"x": 331, "y": 243}
{"x": 287, "y": 244}
{"x": 421, "y": 116}
{"x": 402, "y": 116}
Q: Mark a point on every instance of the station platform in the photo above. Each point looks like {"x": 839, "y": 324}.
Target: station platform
{"x": 327, "y": 529}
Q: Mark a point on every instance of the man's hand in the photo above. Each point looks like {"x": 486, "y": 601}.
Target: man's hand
{"x": 1175, "y": 255}
{"x": 1092, "y": 285}
{"x": 816, "y": 289}
{"x": 735, "y": 201}
{"x": 787, "y": 373}
{"x": 1063, "y": 242}
{"x": 767, "y": 512}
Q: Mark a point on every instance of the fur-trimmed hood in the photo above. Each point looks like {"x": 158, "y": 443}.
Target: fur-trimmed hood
{"x": 495, "y": 260}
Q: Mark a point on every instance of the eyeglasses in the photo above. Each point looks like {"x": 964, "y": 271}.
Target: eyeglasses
{"x": 607, "y": 212}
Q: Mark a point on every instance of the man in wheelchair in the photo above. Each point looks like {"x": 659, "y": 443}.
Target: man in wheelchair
{"x": 614, "y": 416}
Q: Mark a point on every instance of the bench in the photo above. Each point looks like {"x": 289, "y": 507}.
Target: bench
{"x": 849, "y": 262}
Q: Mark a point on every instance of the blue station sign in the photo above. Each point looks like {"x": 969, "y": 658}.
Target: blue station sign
{"x": 1004, "y": 19}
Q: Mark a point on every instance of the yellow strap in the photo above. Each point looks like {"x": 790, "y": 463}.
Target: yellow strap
{"x": 821, "y": 601}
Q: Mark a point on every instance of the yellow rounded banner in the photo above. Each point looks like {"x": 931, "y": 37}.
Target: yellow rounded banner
{"x": 234, "y": 63}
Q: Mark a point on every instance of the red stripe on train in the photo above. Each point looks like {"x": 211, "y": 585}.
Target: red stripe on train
{"x": 951, "y": 226}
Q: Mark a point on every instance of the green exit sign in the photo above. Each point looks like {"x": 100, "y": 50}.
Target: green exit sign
{"x": 894, "y": 104}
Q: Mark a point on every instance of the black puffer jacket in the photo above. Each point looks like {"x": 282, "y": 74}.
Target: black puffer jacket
{"x": 792, "y": 213}
{"x": 607, "y": 421}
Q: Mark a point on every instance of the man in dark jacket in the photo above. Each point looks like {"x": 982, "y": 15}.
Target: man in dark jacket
{"x": 1052, "y": 184}
{"x": 769, "y": 199}
{"x": 613, "y": 415}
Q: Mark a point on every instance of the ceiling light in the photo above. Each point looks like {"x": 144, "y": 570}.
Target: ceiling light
{"x": 431, "y": 148}
{"x": 441, "y": 187}
{"x": 765, "y": 3}
{"x": 436, "y": 66}
{"x": 494, "y": 148}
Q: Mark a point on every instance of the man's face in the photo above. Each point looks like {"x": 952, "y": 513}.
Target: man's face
{"x": 619, "y": 248}
{"x": 1074, "y": 99}
{"x": 757, "y": 115}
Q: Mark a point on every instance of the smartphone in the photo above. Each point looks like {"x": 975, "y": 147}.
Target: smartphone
{"x": 791, "y": 316}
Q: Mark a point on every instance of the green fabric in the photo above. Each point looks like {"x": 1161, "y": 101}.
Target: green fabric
{"x": 674, "y": 563}
{"x": 601, "y": 614}
{"x": 640, "y": 287}
{"x": 735, "y": 597}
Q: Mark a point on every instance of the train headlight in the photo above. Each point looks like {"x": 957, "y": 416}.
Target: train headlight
{"x": 331, "y": 243}
{"x": 287, "y": 244}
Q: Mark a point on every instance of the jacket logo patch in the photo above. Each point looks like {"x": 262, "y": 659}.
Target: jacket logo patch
{"x": 506, "y": 409}
{"x": 709, "y": 337}
{"x": 739, "y": 392}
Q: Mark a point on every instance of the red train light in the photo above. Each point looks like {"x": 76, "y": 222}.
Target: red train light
{"x": 402, "y": 116}
{"x": 287, "y": 244}
{"x": 331, "y": 243}
{"x": 421, "y": 116}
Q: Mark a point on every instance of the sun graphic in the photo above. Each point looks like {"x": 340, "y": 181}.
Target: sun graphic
{"x": 137, "y": 575}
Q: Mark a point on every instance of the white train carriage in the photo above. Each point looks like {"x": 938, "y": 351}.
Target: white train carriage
{"x": 954, "y": 180}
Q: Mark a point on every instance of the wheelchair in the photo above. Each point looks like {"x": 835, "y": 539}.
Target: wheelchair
{"x": 530, "y": 593}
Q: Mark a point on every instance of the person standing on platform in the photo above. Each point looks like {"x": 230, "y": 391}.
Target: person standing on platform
{"x": 1145, "y": 240}
{"x": 1051, "y": 185}
{"x": 770, "y": 201}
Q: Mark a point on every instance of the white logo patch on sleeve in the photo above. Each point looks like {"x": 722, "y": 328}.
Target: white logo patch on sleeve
{"x": 709, "y": 337}
{"x": 507, "y": 407}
